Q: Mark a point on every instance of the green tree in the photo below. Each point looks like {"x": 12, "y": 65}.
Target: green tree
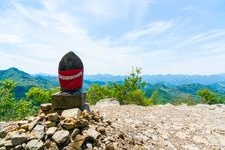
{"x": 7, "y": 102}
{"x": 207, "y": 96}
{"x": 189, "y": 100}
{"x": 97, "y": 92}
{"x": 132, "y": 87}
{"x": 130, "y": 92}
{"x": 153, "y": 97}
{"x": 39, "y": 95}
{"x": 24, "y": 108}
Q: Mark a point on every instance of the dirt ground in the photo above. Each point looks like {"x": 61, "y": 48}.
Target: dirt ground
{"x": 167, "y": 126}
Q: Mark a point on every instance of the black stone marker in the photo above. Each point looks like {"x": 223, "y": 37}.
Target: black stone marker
{"x": 70, "y": 74}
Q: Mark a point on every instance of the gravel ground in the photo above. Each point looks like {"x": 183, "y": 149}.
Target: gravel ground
{"x": 167, "y": 126}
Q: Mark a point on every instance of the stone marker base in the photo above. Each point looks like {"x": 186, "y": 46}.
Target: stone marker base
{"x": 61, "y": 100}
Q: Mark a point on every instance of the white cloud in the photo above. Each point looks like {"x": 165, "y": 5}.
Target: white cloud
{"x": 201, "y": 37}
{"x": 10, "y": 38}
{"x": 47, "y": 33}
{"x": 151, "y": 29}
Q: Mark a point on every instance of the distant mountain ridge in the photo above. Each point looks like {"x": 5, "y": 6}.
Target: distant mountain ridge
{"x": 169, "y": 87}
{"x": 171, "y": 79}
{"x": 25, "y": 81}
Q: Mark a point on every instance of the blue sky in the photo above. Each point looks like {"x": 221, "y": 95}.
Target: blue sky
{"x": 112, "y": 36}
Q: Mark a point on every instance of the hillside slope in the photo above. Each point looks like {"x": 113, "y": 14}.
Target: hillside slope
{"x": 25, "y": 81}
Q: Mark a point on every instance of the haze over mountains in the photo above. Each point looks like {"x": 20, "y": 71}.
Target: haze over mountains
{"x": 169, "y": 87}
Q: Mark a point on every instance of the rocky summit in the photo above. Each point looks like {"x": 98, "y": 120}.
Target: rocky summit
{"x": 115, "y": 127}
{"x": 70, "y": 129}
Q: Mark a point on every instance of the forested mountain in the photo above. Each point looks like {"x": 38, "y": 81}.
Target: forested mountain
{"x": 169, "y": 87}
{"x": 25, "y": 81}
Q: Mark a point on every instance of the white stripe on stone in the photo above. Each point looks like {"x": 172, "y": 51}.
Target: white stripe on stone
{"x": 70, "y": 77}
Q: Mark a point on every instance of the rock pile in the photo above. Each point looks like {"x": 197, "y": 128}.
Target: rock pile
{"x": 70, "y": 129}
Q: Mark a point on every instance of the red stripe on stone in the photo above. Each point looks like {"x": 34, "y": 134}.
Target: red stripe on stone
{"x": 71, "y": 79}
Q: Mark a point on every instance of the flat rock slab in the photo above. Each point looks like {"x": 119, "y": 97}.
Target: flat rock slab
{"x": 71, "y": 113}
{"x": 35, "y": 144}
{"x": 19, "y": 139}
{"x": 62, "y": 101}
{"x": 60, "y": 136}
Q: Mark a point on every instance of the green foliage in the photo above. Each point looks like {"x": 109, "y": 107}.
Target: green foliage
{"x": 189, "y": 100}
{"x": 11, "y": 109}
{"x": 207, "y": 96}
{"x": 39, "y": 95}
{"x": 6, "y": 100}
{"x": 24, "y": 108}
{"x": 221, "y": 99}
{"x": 130, "y": 92}
{"x": 97, "y": 92}
{"x": 153, "y": 97}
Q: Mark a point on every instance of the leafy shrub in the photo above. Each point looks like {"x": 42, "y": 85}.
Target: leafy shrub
{"x": 39, "y": 95}
{"x": 11, "y": 109}
{"x": 184, "y": 100}
{"x": 207, "y": 96}
{"x": 96, "y": 92}
{"x": 130, "y": 92}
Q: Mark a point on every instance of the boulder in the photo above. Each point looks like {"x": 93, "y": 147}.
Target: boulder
{"x": 78, "y": 141}
{"x": 91, "y": 133}
{"x": 71, "y": 113}
{"x": 51, "y": 131}
{"x": 46, "y": 107}
{"x": 38, "y": 132}
{"x": 53, "y": 117}
{"x": 50, "y": 124}
{"x": 107, "y": 102}
{"x": 60, "y": 136}
{"x": 35, "y": 144}
{"x": 19, "y": 138}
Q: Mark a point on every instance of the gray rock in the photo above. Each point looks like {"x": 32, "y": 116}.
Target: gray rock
{"x": 3, "y": 133}
{"x": 1, "y": 143}
{"x": 91, "y": 133}
{"x": 35, "y": 144}
{"x": 49, "y": 124}
{"x": 199, "y": 139}
{"x": 78, "y": 141}
{"x": 33, "y": 123}
{"x": 6, "y": 129}
{"x": 107, "y": 102}
{"x": 71, "y": 113}
{"x": 101, "y": 129}
{"x": 75, "y": 132}
{"x": 22, "y": 122}
{"x": 46, "y": 106}
{"x": 53, "y": 117}
{"x": 51, "y": 131}
{"x": 49, "y": 145}
{"x": 8, "y": 144}
{"x": 38, "y": 132}
{"x": 60, "y": 136}
{"x": 89, "y": 146}
{"x": 18, "y": 147}
{"x": 3, "y": 148}
{"x": 18, "y": 139}
{"x": 81, "y": 123}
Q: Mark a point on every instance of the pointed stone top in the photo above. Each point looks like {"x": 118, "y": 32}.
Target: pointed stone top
{"x": 70, "y": 61}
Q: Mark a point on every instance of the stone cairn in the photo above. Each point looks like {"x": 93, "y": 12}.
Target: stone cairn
{"x": 73, "y": 129}
{"x": 65, "y": 124}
